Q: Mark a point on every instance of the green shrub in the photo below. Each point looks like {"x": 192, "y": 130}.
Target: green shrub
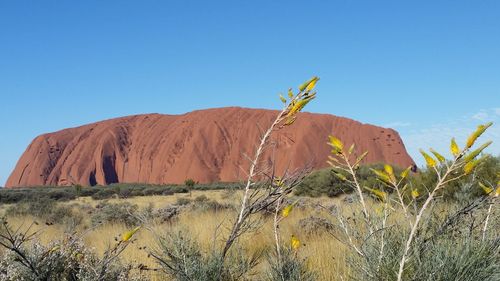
{"x": 67, "y": 260}
{"x": 47, "y": 209}
{"x": 209, "y": 205}
{"x": 324, "y": 182}
{"x": 290, "y": 267}
{"x": 313, "y": 225}
{"x": 182, "y": 259}
{"x": 180, "y": 189}
{"x": 40, "y": 208}
{"x": 183, "y": 201}
{"x": 104, "y": 194}
{"x": 201, "y": 199}
{"x": 154, "y": 190}
{"x": 10, "y": 196}
{"x": 455, "y": 256}
{"x": 119, "y": 213}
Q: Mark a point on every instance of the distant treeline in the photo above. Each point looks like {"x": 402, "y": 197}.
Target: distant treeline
{"x": 324, "y": 182}
{"x": 318, "y": 183}
{"x": 122, "y": 190}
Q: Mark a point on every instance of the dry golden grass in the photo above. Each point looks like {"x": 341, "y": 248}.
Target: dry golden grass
{"x": 325, "y": 254}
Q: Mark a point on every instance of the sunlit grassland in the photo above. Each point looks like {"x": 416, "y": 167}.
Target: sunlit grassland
{"x": 325, "y": 255}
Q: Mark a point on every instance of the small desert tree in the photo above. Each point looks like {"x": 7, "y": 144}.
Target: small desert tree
{"x": 189, "y": 183}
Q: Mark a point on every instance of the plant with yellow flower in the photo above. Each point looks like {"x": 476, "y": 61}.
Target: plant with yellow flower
{"x": 276, "y": 189}
{"x": 345, "y": 162}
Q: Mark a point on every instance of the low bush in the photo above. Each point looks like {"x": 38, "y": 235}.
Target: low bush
{"x": 46, "y": 209}
{"x": 167, "y": 214}
{"x": 210, "y": 205}
{"x": 38, "y": 208}
{"x": 68, "y": 259}
{"x": 183, "y": 201}
{"x": 315, "y": 225}
{"x": 156, "y": 190}
{"x": 10, "y": 196}
{"x": 324, "y": 182}
{"x": 119, "y": 213}
{"x": 104, "y": 194}
{"x": 182, "y": 259}
{"x": 289, "y": 267}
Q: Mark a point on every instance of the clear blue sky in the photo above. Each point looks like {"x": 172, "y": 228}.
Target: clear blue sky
{"x": 430, "y": 69}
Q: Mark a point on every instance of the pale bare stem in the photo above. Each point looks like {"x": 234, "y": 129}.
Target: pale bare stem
{"x": 440, "y": 183}
{"x": 249, "y": 204}
{"x": 400, "y": 196}
{"x": 346, "y": 231}
{"x": 359, "y": 190}
{"x": 382, "y": 240}
{"x": 235, "y": 231}
{"x": 277, "y": 238}
{"x": 485, "y": 228}
{"x": 453, "y": 179}
{"x": 401, "y": 201}
{"x": 254, "y": 162}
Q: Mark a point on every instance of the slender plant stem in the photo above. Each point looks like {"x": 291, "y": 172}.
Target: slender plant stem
{"x": 382, "y": 239}
{"x": 277, "y": 238}
{"x": 441, "y": 181}
{"x": 253, "y": 168}
{"x": 253, "y": 165}
{"x": 359, "y": 190}
{"x": 485, "y": 228}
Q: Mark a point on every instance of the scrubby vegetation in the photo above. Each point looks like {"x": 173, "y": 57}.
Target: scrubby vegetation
{"x": 122, "y": 190}
{"x": 375, "y": 223}
{"x": 325, "y": 182}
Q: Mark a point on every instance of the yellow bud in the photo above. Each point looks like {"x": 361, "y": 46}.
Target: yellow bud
{"x": 300, "y": 104}
{"x": 390, "y": 172}
{"x": 351, "y": 149}
{"x": 286, "y": 211}
{"x": 379, "y": 210}
{"x": 306, "y": 84}
{"x": 295, "y": 242}
{"x": 473, "y": 154}
{"x": 282, "y": 98}
{"x": 479, "y": 131}
{"x": 290, "y": 93}
{"x": 383, "y": 176}
{"x": 415, "y": 194}
{"x": 336, "y": 143}
{"x": 311, "y": 85}
{"x": 439, "y": 157}
{"x": 378, "y": 193}
{"x": 428, "y": 159}
{"x": 485, "y": 188}
{"x": 470, "y": 166}
{"x": 388, "y": 169}
{"x": 405, "y": 173}
{"x": 126, "y": 236}
{"x": 55, "y": 249}
{"x": 340, "y": 176}
{"x": 455, "y": 150}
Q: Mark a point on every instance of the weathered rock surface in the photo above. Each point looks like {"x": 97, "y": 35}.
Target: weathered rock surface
{"x": 206, "y": 145}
